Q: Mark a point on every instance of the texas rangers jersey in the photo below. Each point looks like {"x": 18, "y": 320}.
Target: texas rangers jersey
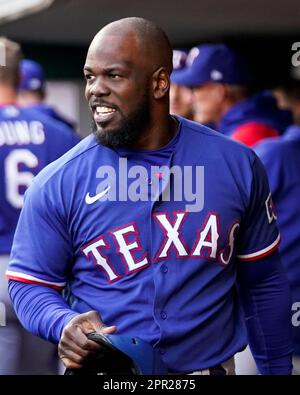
{"x": 156, "y": 259}
{"x": 51, "y": 112}
{"x": 28, "y": 142}
{"x": 281, "y": 158}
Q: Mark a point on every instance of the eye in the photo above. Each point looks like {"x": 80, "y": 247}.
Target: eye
{"x": 88, "y": 77}
{"x": 115, "y": 76}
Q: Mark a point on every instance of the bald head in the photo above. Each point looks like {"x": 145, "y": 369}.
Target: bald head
{"x": 150, "y": 42}
{"x": 127, "y": 72}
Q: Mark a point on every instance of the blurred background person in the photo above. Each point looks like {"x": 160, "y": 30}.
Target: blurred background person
{"x": 281, "y": 157}
{"x": 220, "y": 81}
{"x": 32, "y": 91}
{"x": 29, "y": 140}
{"x": 181, "y": 96}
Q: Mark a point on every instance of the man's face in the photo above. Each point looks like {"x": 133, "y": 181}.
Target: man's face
{"x": 181, "y": 99}
{"x": 117, "y": 90}
{"x": 207, "y": 103}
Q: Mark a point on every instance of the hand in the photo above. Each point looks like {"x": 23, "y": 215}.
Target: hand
{"x": 74, "y": 347}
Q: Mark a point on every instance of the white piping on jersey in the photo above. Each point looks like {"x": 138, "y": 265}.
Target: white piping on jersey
{"x": 261, "y": 252}
{"x": 24, "y": 276}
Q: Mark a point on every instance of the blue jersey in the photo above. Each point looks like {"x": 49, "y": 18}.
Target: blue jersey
{"x": 28, "y": 142}
{"x": 281, "y": 158}
{"x": 254, "y": 118}
{"x": 51, "y": 112}
{"x": 154, "y": 267}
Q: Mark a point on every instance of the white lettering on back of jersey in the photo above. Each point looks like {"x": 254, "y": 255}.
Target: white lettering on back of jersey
{"x": 172, "y": 233}
{"x": 21, "y": 133}
{"x": 100, "y": 260}
{"x": 15, "y": 178}
{"x": 126, "y": 249}
{"x": 209, "y": 236}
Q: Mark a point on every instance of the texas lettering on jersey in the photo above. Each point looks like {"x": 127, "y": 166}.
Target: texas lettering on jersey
{"x": 206, "y": 244}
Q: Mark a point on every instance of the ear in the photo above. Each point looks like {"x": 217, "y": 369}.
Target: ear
{"x": 160, "y": 83}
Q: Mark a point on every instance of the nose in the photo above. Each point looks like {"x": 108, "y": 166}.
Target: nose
{"x": 99, "y": 88}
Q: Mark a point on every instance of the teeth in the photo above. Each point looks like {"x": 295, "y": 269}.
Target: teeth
{"x": 104, "y": 110}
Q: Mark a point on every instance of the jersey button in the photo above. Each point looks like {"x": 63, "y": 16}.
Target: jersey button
{"x": 163, "y": 315}
{"x": 164, "y": 268}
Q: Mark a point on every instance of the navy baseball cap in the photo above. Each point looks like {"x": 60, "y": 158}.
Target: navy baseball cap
{"x": 120, "y": 354}
{"x": 179, "y": 62}
{"x": 213, "y": 63}
{"x": 32, "y": 76}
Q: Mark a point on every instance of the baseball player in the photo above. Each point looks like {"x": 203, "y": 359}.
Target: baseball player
{"x": 281, "y": 159}
{"x": 220, "y": 82}
{"x": 136, "y": 257}
{"x": 181, "y": 96}
{"x": 28, "y": 142}
{"x": 32, "y": 91}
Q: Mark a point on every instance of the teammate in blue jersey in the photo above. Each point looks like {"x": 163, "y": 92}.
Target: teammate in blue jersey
{"x": 181, "y": 96}
{"x": 151, "y": 223}
{"x": 281, "y": 158}
{"x": 28, "y": 142}
{"x": 220, "y": 81}
{"x": 32, "y": 91}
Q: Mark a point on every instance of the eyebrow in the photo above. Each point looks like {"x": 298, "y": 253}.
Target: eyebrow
{"x": 113, "y": 66}
{"x": 125, "y": 69}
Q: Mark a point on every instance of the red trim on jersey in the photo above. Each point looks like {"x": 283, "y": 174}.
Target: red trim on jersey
{"x": 252, "y": 132}
{"x": 265, "y": 252}
{"x": 23, "y": 280}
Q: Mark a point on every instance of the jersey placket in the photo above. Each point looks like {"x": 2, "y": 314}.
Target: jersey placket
{"x": 159, "y": 270}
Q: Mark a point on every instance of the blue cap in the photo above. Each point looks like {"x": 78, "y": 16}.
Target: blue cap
{"x": 122, "y": 355}
{"x": 32, "y": 76}
{"x": 145, "y": 358}
{"x": 213, "y": 63}
{"x": 179, "y": 62}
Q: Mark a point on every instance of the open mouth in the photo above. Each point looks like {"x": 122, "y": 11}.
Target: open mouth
{"x": 103, "y": 113}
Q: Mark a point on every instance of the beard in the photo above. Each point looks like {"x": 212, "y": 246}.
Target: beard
{"x": 130, "y": 128}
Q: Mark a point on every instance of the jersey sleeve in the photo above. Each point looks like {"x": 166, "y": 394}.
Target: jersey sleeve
{"x": 41, "y": 248}
{"x": 259, "y": 235}
{"x": 265, "y": 297}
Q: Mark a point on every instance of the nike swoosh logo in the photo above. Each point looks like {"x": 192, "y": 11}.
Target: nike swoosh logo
{"x": 92, "y": 199}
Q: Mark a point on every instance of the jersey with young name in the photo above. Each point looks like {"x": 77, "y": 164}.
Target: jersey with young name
{"x": 28, "y": 142}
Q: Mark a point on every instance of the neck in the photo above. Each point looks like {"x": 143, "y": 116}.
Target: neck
{"x": 28, "y": 99}
{"x": 233, "y": 95}
{"x": 7, "y": 95}
{"x": 228, "y": 104}
{"x": 157, "y": 134}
